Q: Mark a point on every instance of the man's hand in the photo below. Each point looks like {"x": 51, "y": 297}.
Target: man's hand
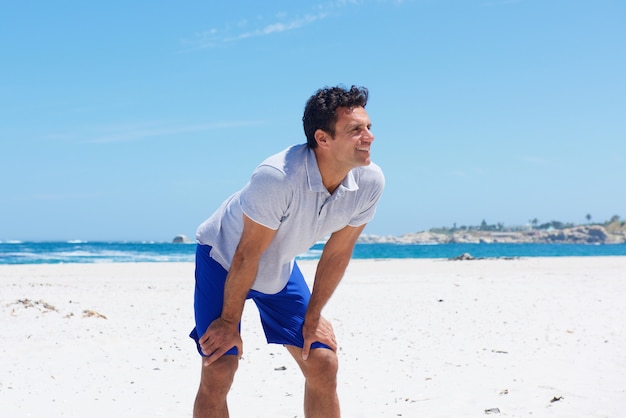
{"x": 315, "y": 330}
{"x": 220, "y": 337}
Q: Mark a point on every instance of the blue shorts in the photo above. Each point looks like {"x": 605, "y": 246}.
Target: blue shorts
{"x": 282, "y": 314}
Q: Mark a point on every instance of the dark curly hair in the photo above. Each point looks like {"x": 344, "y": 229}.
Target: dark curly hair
{"x": 320, "y": 109}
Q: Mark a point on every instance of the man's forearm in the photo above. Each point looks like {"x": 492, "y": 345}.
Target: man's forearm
{"x": 255, "y": 239}
{"x": 330, "y": 271}
{"x": 240, "y": 279}
{"x": 331, "y": 268}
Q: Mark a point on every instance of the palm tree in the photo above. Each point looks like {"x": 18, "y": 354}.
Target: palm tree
{"x": 588, "y": 218}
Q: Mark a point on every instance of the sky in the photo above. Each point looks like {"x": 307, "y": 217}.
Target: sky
{"x": 133, "y": 121}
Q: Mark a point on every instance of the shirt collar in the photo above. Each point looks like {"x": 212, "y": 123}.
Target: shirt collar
{"x": 315, "y": 177}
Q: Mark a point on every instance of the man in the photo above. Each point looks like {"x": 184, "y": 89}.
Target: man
{"x": 247, "y": 250}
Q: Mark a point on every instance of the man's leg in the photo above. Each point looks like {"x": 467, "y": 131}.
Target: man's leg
{"x": 216, "y": 379}
{"x": 215, "y": 383}
{"x": 320, "y": 387}
{"x": 282, "y": 315}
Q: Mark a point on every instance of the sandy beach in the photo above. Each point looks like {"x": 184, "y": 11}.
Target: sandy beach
{"x": 541, "y": 337}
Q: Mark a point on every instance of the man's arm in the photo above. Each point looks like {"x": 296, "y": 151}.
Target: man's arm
{"x": 223, "y": 333}
{"x": 330, "y": 269}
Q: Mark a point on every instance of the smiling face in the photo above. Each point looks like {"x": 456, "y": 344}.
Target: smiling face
{"x": 350, "y": 146}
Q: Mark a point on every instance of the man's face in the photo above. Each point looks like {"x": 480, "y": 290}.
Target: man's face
{"x": 351, "y": 143}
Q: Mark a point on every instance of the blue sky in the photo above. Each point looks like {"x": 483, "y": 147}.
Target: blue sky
{"x": 125, "y": 120}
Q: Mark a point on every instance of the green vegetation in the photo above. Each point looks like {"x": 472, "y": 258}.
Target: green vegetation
{"x": 613, "y": 225}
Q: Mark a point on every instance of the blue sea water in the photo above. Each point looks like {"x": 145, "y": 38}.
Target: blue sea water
{"x": 121, "y": 252}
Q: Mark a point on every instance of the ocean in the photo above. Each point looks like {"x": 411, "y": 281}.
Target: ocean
{"x": 155, "y": 252}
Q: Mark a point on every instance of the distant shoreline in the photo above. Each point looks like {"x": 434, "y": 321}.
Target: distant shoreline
{"x": 582, "y": 234}
{"x": 608, "y": 233}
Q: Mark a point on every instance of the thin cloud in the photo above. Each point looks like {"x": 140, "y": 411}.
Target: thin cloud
{"x": 137, "y": 134}
{"x": 279, "y": 23}
{"x": 214, "y": 37}
{"x": 279, "y": 27}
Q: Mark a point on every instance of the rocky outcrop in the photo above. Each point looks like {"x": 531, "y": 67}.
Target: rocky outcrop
{"x": 463, "y": 257}
{"x": 181, "y": 239}
{"x": 582, "y": 234}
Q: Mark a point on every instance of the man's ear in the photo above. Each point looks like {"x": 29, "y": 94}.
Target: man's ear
{"x": 322, "y": 138}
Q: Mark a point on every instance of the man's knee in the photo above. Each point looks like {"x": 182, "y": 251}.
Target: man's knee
{"x": 321, "y": 367}
{"x": 217, "y": 378}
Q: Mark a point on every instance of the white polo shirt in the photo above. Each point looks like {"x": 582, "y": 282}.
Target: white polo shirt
{"x": 286, "y": 194}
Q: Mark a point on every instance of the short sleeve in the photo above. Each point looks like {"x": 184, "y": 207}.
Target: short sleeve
{"x": 265, "y": 199}
{"x": 371, "y": 185}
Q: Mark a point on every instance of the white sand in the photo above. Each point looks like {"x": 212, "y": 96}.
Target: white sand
{"x": 418, "y": 338}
